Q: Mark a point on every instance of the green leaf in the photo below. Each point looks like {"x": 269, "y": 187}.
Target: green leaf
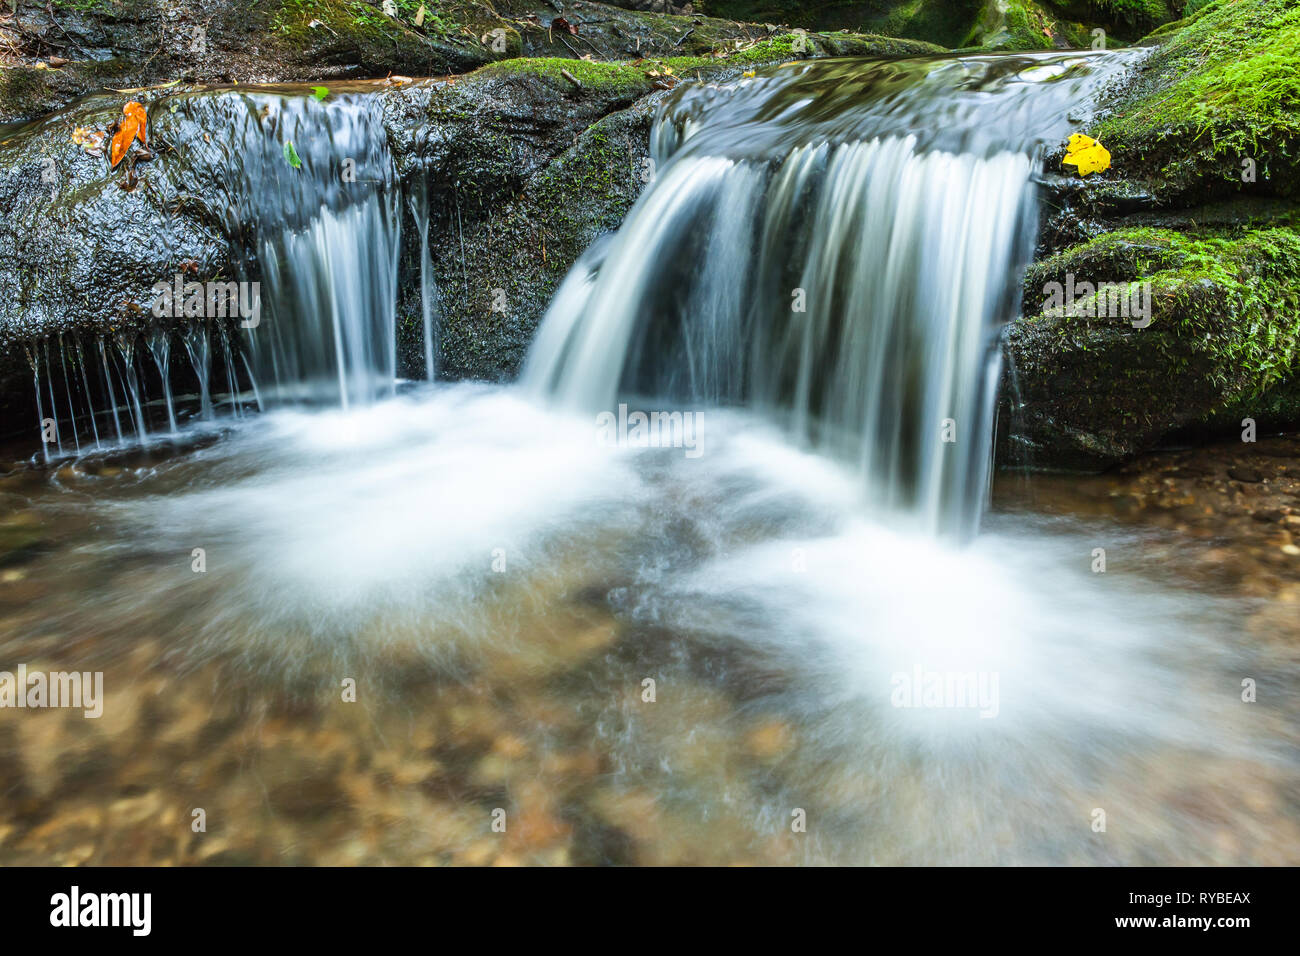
{"x": 291, "y": 155}
{"x": 320, "y": 92}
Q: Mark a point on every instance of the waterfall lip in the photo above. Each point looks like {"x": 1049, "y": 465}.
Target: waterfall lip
{"x": 981, "y": 103}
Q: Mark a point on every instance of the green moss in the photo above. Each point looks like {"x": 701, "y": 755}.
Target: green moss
{"x": 1136, "y": 12}
{"x": 1223, "y": 341}
{"x": 617, "y": 79}
{"x": 1222, "y": 89}
{"x": 1225, "y": 302}
{"x": 358, "y": 20}
{"x": 1024, "y": 26}
{"x": 105, "y": 7}
{"x": 1016, "y": 25}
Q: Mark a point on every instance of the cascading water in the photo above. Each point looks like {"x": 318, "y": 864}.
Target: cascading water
{"x": 313, "y": 198}
{"x": 504, "y": 588}
{"x": 809, "y": 249}
{"x": 308, "y": 200}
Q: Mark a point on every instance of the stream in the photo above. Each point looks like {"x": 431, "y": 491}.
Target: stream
{"x": 720, "y": 580}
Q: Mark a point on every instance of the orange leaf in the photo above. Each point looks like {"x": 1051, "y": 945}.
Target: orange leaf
{"x": 136, "y": 112}
{"x": 122, "y": 140}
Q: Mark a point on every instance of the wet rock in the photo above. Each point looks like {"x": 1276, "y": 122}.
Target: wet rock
{"x": 521, "y": 173}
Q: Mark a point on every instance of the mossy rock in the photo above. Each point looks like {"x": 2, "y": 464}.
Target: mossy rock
{"x": 253, "y": 41}
{"x": 1216, "y": 110}
{"x": 944, "y": 22}
{"x": 1224, "y": 335}
{"x": 1023, "y": 25}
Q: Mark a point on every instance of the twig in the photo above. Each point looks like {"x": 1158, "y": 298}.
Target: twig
{"x": 576, "y": 54}
{"x": 577, "y": 84}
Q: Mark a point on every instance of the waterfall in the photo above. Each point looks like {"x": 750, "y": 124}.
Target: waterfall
{"x": 316, "y": 187}
{"x": 308, "y": 200}
{"x": 807, "y": 249}
{"x": 429, "y": 294}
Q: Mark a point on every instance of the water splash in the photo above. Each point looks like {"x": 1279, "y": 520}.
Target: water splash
{"x": 808, "y": 250}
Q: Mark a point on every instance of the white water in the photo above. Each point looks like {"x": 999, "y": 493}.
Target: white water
{"x": 327, "y": 237}
{"x": 812, "y": 255}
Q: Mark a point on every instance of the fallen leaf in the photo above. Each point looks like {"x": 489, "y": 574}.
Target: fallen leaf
{"x": 320, "y": 92}
{"x": 122, "y": 140}
{"x": 90, "y": 140}
{"x": 142, "y": 89}
{"x": 130, "y": 126}
{"x": 419, "y": 16}
{"x": 1086, "y": 155}
{"x": 564, "y": 26}
{"x": 398, "y": 80}
{"x": 291, "y": 155}
{"x": 136, "y": 111}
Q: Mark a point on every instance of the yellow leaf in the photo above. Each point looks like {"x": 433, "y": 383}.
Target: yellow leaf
{"x": 1086, "y": 155}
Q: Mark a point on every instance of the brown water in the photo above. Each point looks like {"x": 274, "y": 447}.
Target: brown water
{"x": 333, "y": 555}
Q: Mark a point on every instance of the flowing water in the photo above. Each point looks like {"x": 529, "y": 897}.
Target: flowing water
{"x": 741, "y": 630}
{"x": 308, "y": 199}
{"x": 832, "y": 245}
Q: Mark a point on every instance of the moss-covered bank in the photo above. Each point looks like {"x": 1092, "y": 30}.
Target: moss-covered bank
{"x": 1223, "y": 332}
{"x": 1216, "y": 111}
{"x": 1201, "y": 208}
